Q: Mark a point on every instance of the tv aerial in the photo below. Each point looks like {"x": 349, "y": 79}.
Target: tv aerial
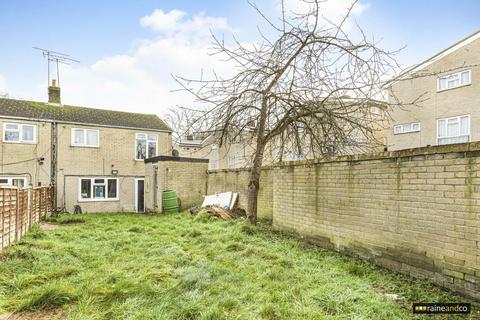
{"x": 56, "y": 58}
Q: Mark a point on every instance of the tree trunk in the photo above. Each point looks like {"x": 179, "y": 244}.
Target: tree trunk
{"x": 254, "y": 185}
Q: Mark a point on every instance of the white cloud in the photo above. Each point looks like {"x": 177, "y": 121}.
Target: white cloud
{"x": 160, "y": 21}
{"x": 331, "y": 10}
{"x": 141, "y": 80}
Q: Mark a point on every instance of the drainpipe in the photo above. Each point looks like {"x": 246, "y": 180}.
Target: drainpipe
{"x": 155, "y": 186}
{"x": 53, "y": 168}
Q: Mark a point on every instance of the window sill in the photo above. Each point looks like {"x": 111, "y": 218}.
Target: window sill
{"x": 400, "y": 133}
{"x": 98, "y": 200}
{"x": 448, "y": 89}
{"x": 20, "y": 142}
{"x": 83, "y": 146}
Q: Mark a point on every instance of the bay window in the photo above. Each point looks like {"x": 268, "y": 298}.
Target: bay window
{"x": 98, "y": 189}
{"x": 19, "y": 133}
{"x": 453, "y": 130}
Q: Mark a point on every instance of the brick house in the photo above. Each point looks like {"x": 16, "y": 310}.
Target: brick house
{"x": 448, "y": 86}
{"x": 238, "y": 152}
{"x": 94, "y": 158}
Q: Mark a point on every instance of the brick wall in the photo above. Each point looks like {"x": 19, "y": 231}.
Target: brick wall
{"x": 186, "y": 176}
{"x": 415, "y": 211}
{"x": 237, "y": 181}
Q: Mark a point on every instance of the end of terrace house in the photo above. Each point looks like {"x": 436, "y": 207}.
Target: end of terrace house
{"x": 93, "y": 158}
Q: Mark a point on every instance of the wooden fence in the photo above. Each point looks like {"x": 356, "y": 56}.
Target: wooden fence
{"x": 20, "y": 209}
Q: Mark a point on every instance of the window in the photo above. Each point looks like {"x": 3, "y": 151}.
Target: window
{"x": 146, "y": 146}
{"x": 98, "y": 189}
{"x": 231, "y": 161}
{"x": 213, "y": 164}
{"x": 298, "y": 156}
{"x": 19, "y": 133}
{"x": 453, "y": 130}
{"x": 375, "y": 110}
{"x": 85, "y": 138}
{"x": 454, "y": 80}
{"x": 19, "y": 182}
{"x": 406, "y": 128}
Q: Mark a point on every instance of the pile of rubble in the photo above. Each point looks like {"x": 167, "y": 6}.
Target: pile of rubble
{"x": 220, "y": 205}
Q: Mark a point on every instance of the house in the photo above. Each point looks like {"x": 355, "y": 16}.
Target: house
{"x": 447, "y": 87}
{"x": 239, "y": 150}
{"x": 237, "y": 153}
{"x": 93, "y": 158}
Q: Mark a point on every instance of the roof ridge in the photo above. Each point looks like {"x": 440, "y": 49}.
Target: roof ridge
{"x": 425, "y": 62}
{"x": 36, "y": 110}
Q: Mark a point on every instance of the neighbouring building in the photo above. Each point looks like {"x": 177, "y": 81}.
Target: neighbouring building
{"x": 93, "y": 158}
{"x": 447, "y": 87}
{"x": 239, "y": 150}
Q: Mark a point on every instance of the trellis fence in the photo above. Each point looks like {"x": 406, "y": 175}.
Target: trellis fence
{"x": 20, "y": 209}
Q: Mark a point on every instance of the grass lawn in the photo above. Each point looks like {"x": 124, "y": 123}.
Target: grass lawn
{"x": 130, "y": 266}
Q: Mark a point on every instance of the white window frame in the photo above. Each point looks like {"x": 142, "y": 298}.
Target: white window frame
{"x": 375, "y": 110}
{"x": 20, "y": 132}
{"x": 92, "y": 184}
{"x": 10, "y": 180}
{"x": 146, "y": 151}
{"x": 402, "y": 128}
{"x": 232, "y": 161}
{"x": 84, "y": 130}
{"x": 213, "y": 164}
{"x": 446, "y": 122}
{"x": 459, "y": 74}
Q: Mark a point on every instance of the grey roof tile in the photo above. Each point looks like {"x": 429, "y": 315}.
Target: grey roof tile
{"x": 82, "y": 115}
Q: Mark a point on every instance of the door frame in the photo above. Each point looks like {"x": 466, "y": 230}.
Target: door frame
{"x": 136, "y": 194}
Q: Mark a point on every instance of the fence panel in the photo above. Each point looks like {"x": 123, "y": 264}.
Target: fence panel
{"x": 20, "y": 209}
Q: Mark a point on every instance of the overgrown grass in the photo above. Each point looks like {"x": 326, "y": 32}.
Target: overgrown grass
{"x": 128, "y": 266}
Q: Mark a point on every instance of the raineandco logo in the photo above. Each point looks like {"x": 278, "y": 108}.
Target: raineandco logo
{"x": 441, "y": 308}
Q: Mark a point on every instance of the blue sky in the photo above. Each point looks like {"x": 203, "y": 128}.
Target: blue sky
{"x": 126, "y": 65}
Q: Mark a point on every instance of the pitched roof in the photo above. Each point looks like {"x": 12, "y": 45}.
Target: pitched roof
{"x": 79, "y": 115}
{"x": 454, "y": 47}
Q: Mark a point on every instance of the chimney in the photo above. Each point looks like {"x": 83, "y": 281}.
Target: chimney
{"x": 54, "y": 93}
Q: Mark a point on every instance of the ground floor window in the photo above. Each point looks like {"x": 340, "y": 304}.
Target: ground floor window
{"x": 20, "y": 182}
{"x": 98, "y": 189}
{"x": 453, "y": 130}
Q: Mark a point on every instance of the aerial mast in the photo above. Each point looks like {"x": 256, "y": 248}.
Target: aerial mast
{"x": 57, "y": 58}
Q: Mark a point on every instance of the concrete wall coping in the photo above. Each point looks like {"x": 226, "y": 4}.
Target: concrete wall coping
{"x": 463, "y": 150}
{"x": 177, "y": 159}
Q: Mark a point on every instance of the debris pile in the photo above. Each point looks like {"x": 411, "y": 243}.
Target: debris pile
{"x": 220, "y": 205}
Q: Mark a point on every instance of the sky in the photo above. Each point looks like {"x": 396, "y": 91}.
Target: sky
{"x": 129, "y": 50}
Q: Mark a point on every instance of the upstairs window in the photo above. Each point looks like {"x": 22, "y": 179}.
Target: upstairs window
{"x": 375, "y": 110}
{"x": 19, "y": 133}
{"x": 213, "y": 164}
{"x": 231, "y": 161}
{"x": 454, "y": 80}
{"x": 85, "y": 138}
{"x": 406, "y": 128}
{"x": 146, "y": 146}
{"x": 453, "y": 130}
{"x": 98, "y": 189}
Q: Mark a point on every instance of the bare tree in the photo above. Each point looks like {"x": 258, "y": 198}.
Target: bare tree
{"x": 312, "y": 86}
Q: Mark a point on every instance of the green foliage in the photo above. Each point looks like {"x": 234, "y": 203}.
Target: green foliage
{"x": 130, "y": 266}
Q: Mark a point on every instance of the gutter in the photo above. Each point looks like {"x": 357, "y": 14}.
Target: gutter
{"x": 83, "y": 124}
